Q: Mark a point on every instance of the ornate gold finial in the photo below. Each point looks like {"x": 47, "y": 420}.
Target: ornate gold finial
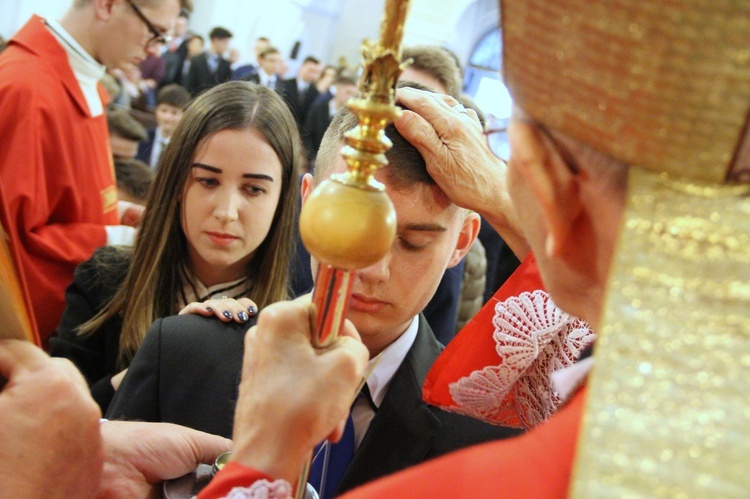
{"x": 348, "y": 222}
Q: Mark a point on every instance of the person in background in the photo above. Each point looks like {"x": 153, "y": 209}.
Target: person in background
{"x": 300, "y": 92}
{"x": 134, "y": 179}
{"x": 125, "y": 133}
{"x": 269, "y": 66}
{"x": 433, "y": 66}
{"x": 172, "y": 101}
{"x": 247, "y": 68}
{"x": 195, "y": 46}
{"x": 210, "y": 68}
{"x": 322, "y": 112}
{"x": 176, "y": 51}
{"x": 218, "y": 223}
{"x": 325, "y": 82}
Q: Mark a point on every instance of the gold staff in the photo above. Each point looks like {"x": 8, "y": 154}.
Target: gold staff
{"x": 348, "y": 222}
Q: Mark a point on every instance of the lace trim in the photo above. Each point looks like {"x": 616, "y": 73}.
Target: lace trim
{"x": 262, "y": 489}
{"x": 534, "y": 338}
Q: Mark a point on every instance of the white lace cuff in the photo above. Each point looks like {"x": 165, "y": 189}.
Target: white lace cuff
{"x": 263, "y": 489}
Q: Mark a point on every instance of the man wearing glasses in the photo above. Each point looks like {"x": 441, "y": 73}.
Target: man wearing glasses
{"x": 58, "y": 200}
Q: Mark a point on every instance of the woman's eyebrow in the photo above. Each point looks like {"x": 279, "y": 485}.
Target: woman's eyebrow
{"x": 258, "y": 176}
{"x": 213, "y": 169}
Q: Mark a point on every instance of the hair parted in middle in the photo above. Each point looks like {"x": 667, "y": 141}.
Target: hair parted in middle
{"x": 153, "y": 284}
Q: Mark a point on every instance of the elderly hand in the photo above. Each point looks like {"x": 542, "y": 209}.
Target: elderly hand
{"x": 451, "y": 141}
{"x": 140, "y": 456}
{"x": 225, "y": 308}
{"x": 291, "y": 395}
{"x": 49, "y": 436}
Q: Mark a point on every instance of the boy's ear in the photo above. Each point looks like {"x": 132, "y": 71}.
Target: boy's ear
{"x": 467, "y": 236}
{"x": 103, "y": 8}
{"x": 553, "y": 185}
{"x": 307, "y": 186}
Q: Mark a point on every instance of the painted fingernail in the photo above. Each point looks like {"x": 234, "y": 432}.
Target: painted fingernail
{"x": 243, "y": 316}
{"x": 209, "y": 309}
{"x": 227, "y": 314}
{"x": 252, "y": 310}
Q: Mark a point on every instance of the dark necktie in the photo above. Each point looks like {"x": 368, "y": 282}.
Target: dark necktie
{"x": 329, "y": 464}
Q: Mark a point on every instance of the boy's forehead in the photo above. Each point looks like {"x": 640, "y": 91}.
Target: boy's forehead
{"x": 429, "y": 196}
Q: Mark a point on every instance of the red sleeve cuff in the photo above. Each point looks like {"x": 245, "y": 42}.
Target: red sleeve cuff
{"x": 233, "y": 475}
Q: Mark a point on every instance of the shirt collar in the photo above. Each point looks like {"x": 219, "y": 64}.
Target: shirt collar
{"x": 87, "y": 71}
{"x": 388, "y": 362}
{"x": 194, "y": 290}
{"x": 79, "y": 58}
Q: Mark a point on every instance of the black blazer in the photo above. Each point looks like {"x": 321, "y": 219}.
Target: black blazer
{"x": 145, "y": 147}
{"x": 95, "y": 283}
{"x": 187, "y": 371}
{"x": 316, "y": 123}
{"x": 299, "y": 105}
{"x": 200, "y": 78}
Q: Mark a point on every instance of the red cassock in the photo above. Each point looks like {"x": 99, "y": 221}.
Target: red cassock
{"x": 58, "y": 188}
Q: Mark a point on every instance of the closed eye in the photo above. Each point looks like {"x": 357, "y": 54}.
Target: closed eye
{"x": 409, "y": 246}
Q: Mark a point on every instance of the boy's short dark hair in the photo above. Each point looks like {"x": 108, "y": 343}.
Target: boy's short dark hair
{"x": 268, "y": 51}
{"x": 134, "y": 177}
{"x": 173, "y": 95}
{"x": 123, "y": 125}
{"x": 220, "y": 33}
{"x": 406, "y": 165}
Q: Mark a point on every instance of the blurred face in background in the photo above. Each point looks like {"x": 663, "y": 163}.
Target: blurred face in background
{"x": 271, "y": 63}
{"x": 195, "y": 46}
{"x": 167, "y": 118}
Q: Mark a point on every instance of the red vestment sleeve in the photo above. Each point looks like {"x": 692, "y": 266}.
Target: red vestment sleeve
{"x": 233, "y": 475}
{"x": 537, "y": 464}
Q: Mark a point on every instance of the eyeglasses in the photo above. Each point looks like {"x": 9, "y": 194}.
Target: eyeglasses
{"x": 158, "y": 36}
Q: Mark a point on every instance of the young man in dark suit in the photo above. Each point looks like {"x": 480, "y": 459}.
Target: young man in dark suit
{"x": 210, "y": 68}
{"x": 171, "y": 102}
{"x": 300, "y": 92}
{"x": 269, "y": 64}
{"x": 187, "y": 370}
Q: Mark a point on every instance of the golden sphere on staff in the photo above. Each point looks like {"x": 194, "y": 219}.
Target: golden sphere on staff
{"x": 347, "y": 227}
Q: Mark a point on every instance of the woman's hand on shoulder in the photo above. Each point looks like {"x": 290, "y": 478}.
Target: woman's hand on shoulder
{"x": 225, "y": 308}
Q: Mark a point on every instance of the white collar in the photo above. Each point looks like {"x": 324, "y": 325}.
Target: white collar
{"x": 264, "y": 77}
{"x": 388, "y": 362}
{"x": 158, "y": 137}
{"x": 194, "y": 290}
{"x": 86, "y": 69}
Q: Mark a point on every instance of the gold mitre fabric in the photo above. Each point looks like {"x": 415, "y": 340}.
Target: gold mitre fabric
{"x": 665, "y": 87}
{"x": 660, "y": 84}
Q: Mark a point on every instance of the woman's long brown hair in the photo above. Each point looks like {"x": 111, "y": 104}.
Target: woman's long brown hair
{"x": 153, "y": 284}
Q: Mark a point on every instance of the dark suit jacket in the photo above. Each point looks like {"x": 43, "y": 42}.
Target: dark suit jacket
{"x": 187, "y": 372}
{"x": 145, "y": 147}
{"x": 94, "y": 285}
{"x": 200, "y": 78}
{"x": 299, "y": 104}
{"x": 316, "y": 123}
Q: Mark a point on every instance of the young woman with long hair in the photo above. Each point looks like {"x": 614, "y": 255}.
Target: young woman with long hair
{"x": 218, "y": 223}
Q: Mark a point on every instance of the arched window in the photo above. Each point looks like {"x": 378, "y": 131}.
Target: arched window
{"x": 483, "y": 82}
